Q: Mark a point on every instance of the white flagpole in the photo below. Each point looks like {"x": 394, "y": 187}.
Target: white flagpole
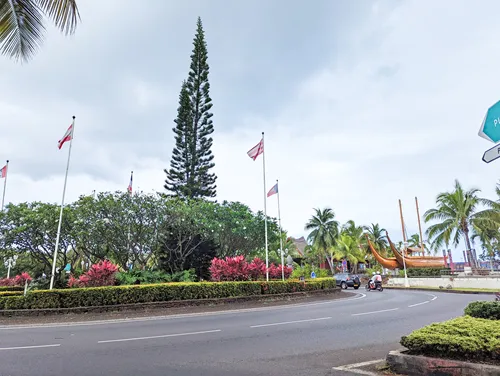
{"x": 54, "y": 261}
{"x": 5, "y": 182}
{"x": 281, "y": 238}
{"x": 265, "y": 206}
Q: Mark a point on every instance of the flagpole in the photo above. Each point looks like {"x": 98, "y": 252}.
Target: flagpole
{"x": 62, "y": 207}
{"x": 265, "y": 206}
{"x": 281, "y": 238}
{"x": 5, "y": 183}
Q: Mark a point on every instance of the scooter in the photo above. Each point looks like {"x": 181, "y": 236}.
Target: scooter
{"x": 372, "y": 286}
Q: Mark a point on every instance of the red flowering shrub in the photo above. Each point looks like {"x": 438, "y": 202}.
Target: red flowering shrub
{"x": 230, "y": 269}
{"x": 7, "y": 282}
{"x": 18, "y": 280}
{"x": 257, "y": 269}
{"x": 101, "y": 274}
{"x": 238, "y": 269}
{"x": 21, "y": 279}
{"x": 275, "y": 271}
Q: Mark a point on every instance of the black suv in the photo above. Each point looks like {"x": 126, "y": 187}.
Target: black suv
{"x": 345, "y": 280}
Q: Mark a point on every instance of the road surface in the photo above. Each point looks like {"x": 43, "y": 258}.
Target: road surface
{"x": 301, "y": 339}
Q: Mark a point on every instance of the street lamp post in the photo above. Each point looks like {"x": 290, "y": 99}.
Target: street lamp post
{"x": 405, "y": 245}
{"x": 10, "y": 263}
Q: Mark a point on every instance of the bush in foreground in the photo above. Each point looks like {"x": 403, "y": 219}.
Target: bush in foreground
{"x": 484, "y": 310}
{"x": 115, "y": 295}
{"x": 464, "y": 338}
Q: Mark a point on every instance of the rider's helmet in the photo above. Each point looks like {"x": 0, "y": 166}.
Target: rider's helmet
{"x": 373, "y": 273}
{"x": 378, "y": 273}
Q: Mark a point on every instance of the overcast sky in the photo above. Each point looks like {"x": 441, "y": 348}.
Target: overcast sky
{"x": 362, "y": 102}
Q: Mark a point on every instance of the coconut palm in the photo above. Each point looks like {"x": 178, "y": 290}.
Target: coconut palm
{"x": 414, "y": 242}
{"x": 489, "y": 238}
{"x": 377, "y": 237}
{"x": 348, "y": 248}
{"x": 324, "y": 230}
{"x": 456, "y": 212}
{"x": 22, "y": 24}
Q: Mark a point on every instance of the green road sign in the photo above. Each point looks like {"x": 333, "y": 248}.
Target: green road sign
{"x": 490, "y": 129}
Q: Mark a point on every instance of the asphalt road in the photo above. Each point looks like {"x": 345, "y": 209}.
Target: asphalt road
{"x": 303, "y": 339}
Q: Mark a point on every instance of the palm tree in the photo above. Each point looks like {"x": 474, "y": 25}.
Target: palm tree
{"x": 324, "y": 232}
{"x": 22, "y": 24}
{"x": 414, "y": 241}
{"x": 348, "y": 248}
{"x": 456, "y": 212}
{"x": 377, "y": 237}
{"x": 489, "y": 238}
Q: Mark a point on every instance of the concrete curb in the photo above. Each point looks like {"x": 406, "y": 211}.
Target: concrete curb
{"x": 450, "y": 291}
{"x": 169, "y": 304}
{"x": 415, "y": 365}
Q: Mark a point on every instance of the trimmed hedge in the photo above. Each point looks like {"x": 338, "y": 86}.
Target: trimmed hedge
{"x": 427, "y": 272}
{"x": 115, "y": 295}
{"x": 10, "y": 293}
{"x": 11, "y": 288}
{"x": 484, "y": 310}
{"x": 465, "y": 338}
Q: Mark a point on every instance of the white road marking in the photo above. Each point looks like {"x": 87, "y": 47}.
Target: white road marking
{"x": 414, "y": 305}
{"x": 290, "y": 322}
{"x": 351, "y": 367}
{"x": 161, "y": 336}
{"x": 178, "y": 316}
{"x": 29, "y": 347}
{"x": 369, "y": 313}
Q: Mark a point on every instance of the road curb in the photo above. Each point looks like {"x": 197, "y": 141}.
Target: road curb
{"x": 416, "y": 365}
{"x": 169, "y": 304}
{"x": 454, "y": 291}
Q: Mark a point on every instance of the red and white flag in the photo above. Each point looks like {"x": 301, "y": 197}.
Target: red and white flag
{"x": 256, "y": 150}
{"x": 273, "y": 190}
{"x": 129, "y": 188}
{"x": 3, "y": 172}
{"x": 67, "y": 137}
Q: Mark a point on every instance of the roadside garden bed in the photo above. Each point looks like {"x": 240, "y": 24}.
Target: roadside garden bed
{"x": 157, "y": 293}
{"x": 467, "y": 345}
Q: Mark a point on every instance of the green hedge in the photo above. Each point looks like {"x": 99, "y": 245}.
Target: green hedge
{"x": 484, "y": 310}
{"x": 427, "y": 272}
{"x": 11, "y": 288}
{"x": 464, "y": 338}
{"x": 10, "y": 293}
{"x": 114, "y": 295}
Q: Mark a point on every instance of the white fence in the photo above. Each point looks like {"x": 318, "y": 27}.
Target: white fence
{"x": 446, "y": 282}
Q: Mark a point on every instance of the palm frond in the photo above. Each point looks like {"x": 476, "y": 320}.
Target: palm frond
{"x": 64, "y": 13}
{"x": 21, "y": 28}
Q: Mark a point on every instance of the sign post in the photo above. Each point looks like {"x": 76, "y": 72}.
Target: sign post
{"x": 491, "y": 154}
{"x": 490, "y": 128}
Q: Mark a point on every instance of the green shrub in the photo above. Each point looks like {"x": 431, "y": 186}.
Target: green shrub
{"x": 10, "y": 293}
{"x": 11, "y": 288}
{"x": 114, "y": 295}
{"x": 463, "y": 338}
{"x": 426, "y": 272}
{"x": 484, "y": 310}
{"x": 306, "y": 270}
{"x": 148, "y": 277}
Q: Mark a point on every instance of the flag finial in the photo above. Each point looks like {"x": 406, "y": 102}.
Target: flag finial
{"x": 74, "y": 117}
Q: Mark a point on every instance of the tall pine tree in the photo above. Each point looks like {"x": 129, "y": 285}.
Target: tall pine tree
{"x": 192, "y": 159}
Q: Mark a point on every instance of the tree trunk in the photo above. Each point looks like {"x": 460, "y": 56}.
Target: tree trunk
{"x": 472, "y": 260}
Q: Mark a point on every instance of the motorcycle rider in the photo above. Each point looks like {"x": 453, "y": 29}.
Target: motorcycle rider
{"x": 378, "y": 280}
{"x": 371, "y": 282}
